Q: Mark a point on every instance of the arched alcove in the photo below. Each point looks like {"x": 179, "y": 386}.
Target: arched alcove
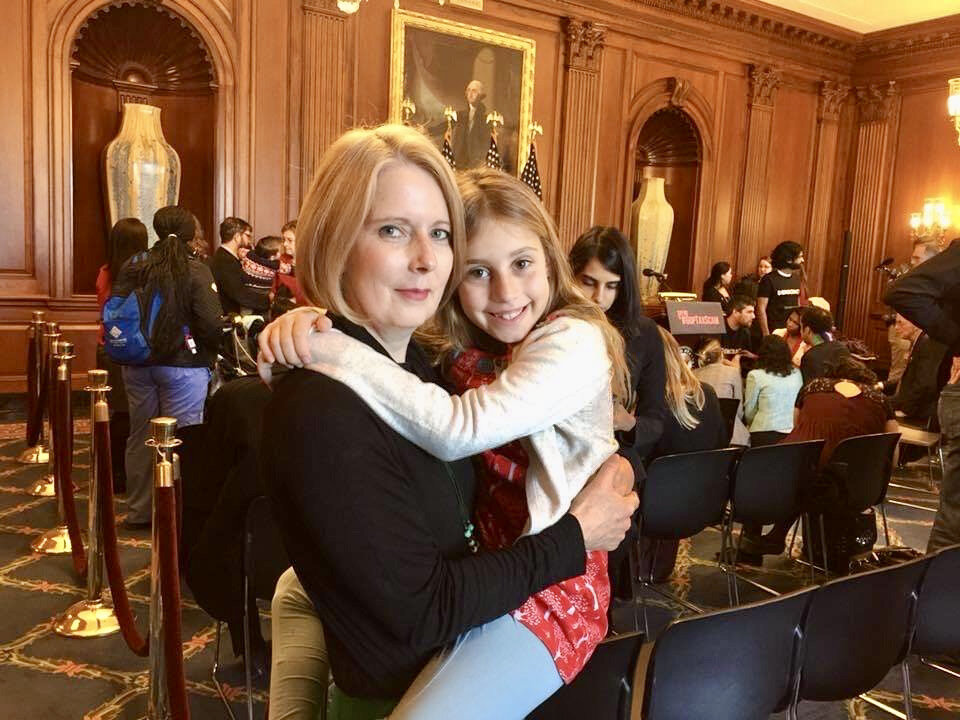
{"x": 679, "y": 141}
{"x": 138, "y": 52}
{"x": 669, "y": 147}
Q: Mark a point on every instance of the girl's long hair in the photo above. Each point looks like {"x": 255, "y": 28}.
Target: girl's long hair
{"x": 166, "y": 271}
{"x": 610, "y": 248}
{"x": 683, "y": 389}
{"x": 127, "y": 237}
{"x": 491, "y": 194}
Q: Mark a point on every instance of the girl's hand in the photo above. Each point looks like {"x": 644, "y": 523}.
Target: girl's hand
{"x": 622, "y": 419}
{"x": 287, "y": 339}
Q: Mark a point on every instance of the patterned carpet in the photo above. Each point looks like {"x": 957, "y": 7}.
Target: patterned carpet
{"x": 43, "y": 675}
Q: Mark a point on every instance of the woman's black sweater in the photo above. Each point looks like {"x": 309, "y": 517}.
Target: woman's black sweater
{"x": 375, "y": 530}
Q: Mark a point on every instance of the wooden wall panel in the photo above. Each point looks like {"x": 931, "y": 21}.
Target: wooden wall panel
{"x": 732, "y": 106}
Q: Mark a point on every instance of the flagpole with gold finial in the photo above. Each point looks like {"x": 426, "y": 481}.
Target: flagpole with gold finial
{"x": 408, "y": 108}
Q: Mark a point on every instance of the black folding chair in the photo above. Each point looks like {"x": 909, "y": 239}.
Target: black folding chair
{"x": 681, "y": 496}
{"x": 737, "y": 664}
{"x": 603, "y": 689}
{"x": 857, "y": 628}
{"x": 937, "y": 631}
{"x": 767, "y": 489}
{"x": 264, "y": 561}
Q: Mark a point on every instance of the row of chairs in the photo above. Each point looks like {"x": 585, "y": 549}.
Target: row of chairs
{"x": 684, "y": 494}
{"x": 826, "y": 643}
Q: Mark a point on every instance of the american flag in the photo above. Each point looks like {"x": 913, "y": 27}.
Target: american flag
{"x": 447, "y": 152}
{"x": 493, "y": 154}
{"x": 531, "y": 173}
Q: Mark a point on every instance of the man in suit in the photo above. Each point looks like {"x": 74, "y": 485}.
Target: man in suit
{"x": 471, "y": 137}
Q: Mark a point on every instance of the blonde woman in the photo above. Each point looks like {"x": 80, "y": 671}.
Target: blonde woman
{"x": 380, "y": 531}
{"x": 726, "y": 383}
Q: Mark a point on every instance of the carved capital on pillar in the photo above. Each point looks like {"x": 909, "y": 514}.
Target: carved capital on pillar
{"x": 327, "y": 7}
{"x": 679, "y": 89}
{"x": 585, "y": 42}
{"x": 876, "y": 103}
{"x": 764, "y": 81}
{"x": 832, "y": 96}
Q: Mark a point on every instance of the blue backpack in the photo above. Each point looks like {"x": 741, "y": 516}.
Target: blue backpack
{"x": 129, "y": 318}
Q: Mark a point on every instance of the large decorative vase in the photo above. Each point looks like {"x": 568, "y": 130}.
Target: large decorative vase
{"x": 141, "y": 169}
{"x": 651, "y": 223}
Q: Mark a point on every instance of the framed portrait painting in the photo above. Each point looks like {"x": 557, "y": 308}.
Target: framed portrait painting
{"x": 438, "y": 63}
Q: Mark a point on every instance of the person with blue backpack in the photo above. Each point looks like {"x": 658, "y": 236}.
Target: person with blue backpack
{"x": 162, "y": 324}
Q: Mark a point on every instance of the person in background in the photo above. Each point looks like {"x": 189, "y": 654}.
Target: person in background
{"x": 286, "y": 290}
{"x": 771, "y": 392}
{"x": 127, "y": 238}
{"x": 237, "y": 299}
{"x": 716, "y": 288}
{"x": 183, "y": 347}
{"x": 843, "y": 403}
{"x": 790, "y": 334}
{"x": 261, "y": 265}
{"x": 288, "y": 257}
{"x": 739, "y": 322}
{"x": 725, "y": 381}
{"x": 924, "y": 248}
{"x": 748, "y": 284}
{"x": 603, "y": 266}
{"x": 780, "y": 289}
{"x": 693, "y": 422}
{"x": 816, "y": 328}
{"x": 929, "y": 297}
{"x": 915, "y": 401}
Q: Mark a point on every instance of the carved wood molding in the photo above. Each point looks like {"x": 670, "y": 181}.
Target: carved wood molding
{"x": 679, "y": 89}
{"x": 747, "y": 19}
{"x": 876, "y": 102}
{"x": 931, "y": 36}
{"x": 833, "y": 95}
{"x": 764, "y": 81}
{"x": 585, "y": 41}
{"x": 326, "y": 7}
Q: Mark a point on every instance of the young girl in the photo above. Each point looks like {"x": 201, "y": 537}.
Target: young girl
{"x": 538, "y": 367}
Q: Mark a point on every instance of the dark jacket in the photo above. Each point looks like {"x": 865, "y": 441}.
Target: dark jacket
{"x": 235, "y": 295}
{"x": 710, "y": 434}
{"x": 648, "y": 377}
{"x": 929, "y": 297}
{"x": 374, "y": 527}
{"x": 919, "y": 388}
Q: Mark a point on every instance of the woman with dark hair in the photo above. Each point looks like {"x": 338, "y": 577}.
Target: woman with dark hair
{"x": 604, "y": 269}
{"x": 716, "y": 288}
{"x": 771, "y": 392}
{"x": 183, "y": 345}
{"x": 127, "y": 238}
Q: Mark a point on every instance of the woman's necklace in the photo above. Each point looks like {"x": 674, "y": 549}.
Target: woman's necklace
{"x": 464, "y": 517}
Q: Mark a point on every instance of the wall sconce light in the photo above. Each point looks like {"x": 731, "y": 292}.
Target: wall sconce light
{"x": 932, "y": 222}
{"x": 953, "y": 103}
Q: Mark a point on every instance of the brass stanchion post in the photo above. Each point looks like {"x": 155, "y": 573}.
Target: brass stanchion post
{"x": 56, "y": 541}
{"x": 46, "y": 486}
{"x": 35, "y": 452}
{"x": 163, "y": 439}
{"x": 93, "y": 616}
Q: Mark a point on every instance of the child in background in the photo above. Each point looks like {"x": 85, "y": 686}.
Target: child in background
{"x": 261, "y": 264}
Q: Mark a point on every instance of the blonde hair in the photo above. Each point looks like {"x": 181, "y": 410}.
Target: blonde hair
{"x": 683, "y": 388}
{"x": 491, "y": 194}
{"x": 710, "y": 353}
{"x": 338, "y": 203}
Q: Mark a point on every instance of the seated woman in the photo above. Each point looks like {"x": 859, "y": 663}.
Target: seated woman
{"x": 842, "y": 404}
{"x": 716, "y": 288}
{"x": 380, "y": 533}
{"x": 694, "y": 423}
{"x": 726, "y": 383}
{"x": 603, "y": 266}
{"x": 771, "y": 393}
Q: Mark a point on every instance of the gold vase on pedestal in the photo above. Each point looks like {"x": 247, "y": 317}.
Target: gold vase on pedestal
{"x": 141, "y": 169}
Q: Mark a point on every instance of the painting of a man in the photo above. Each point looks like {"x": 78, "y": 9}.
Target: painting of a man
{"x": 471, "y": 136}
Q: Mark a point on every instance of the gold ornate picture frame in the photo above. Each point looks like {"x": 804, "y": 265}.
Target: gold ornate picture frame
{"x": 432, "y": 63}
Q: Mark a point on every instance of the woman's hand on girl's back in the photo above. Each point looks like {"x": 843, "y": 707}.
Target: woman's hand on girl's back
{"x": 286, "y": 340}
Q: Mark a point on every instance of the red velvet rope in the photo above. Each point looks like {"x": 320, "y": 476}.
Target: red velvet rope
{"x": 64, "y": 475}
{"x": 170, "y": 584}
{"x": 139, "y": 644}
{"x": 33, "y": 432}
